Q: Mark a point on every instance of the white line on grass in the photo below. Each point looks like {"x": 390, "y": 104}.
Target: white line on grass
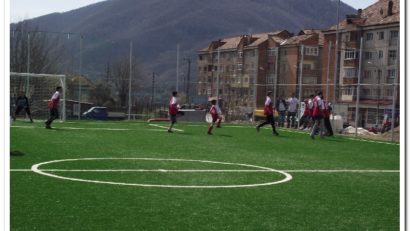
{"x": 215, "y": 170}
{"x": 156, "y": 125}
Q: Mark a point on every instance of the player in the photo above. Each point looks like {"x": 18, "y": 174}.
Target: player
{"x": 268, "y": 112}
{"x": 216, "y": 117}
{"x": 22, "y": 103}
{"x": 317, "y": 115}
{"x": 53, "y": 106}
{"x": 173, "y": 110}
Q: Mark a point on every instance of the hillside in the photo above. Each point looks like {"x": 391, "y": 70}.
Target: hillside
{"x": 156, "y": 27}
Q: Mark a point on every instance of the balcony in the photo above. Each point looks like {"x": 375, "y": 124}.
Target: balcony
{"x": 310, "y": 72}
{"x": 349, "y": 80}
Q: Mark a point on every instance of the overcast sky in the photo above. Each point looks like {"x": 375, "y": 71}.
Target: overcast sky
{"x": 26, "y": 9}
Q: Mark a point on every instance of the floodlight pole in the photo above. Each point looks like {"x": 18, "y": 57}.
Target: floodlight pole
{"x": 79, "y": 77}
{"x": 358, "y": 85}
{"x": 177, "y": 76}
{"x": 28, "y": 63}
{"x": 130, "y": 81}
{"x": 302, "y": 50}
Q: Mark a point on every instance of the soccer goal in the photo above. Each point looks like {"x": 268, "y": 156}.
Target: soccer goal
{"x": 38, "y": 88}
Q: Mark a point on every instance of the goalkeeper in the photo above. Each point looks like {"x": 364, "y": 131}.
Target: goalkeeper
{"x": 22, "y": 103}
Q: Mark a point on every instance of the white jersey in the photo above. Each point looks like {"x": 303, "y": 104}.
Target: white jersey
{"x": 310, "y": 104}
{"x": 268, "y": 101}
{"x": 293, "y": 104}
{"x": 55, "y": 96}
{"x": 173, "y": 100}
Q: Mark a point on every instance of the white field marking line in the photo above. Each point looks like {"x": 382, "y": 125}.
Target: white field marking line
{"x": 74, "y": 128}
{"x": 288, "y": 177}
{"x": 159, "y": 126}
{"x": 355, "y": 139}
{"x": 99, "y": 129}
{"x": 13, "y": 126}
{"x": 215, "y": 170}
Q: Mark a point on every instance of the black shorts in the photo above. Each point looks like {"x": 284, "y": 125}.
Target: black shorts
{"x": 19, "y": 108}
{"x": 173, "y": 118}
{"x": 270, "y": 119}
{"x": 319, "y": 117}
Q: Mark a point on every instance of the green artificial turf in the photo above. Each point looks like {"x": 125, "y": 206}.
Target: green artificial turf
{"x": 311, "y": 200}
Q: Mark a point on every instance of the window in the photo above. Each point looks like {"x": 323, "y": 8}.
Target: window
{"x": 391, "y": 73}
{"x": 307, "y": 67}
{"x": 350, "y": 54}
{"x": 200, "y": 57}
{"x": 367, "y": 74}
{"x": 240, "y": 66}
{"x": 368, "y": 55}
{"x": 346, "y": 38}
{"x": 394, "y": 35}
{"x": 381, "y": 35}
{"x": 369, "y": 36}
{"x": 365, "y": 92}
{"x": 389, "y": 92}
{"x": 240, "y": 54}
{"x": 271, "y": 79}
{"x": 347, "y": 91}
{"x": 313, "y": 51}
{"x": 283, "y": 52}
{"x": 380, "y": 54}
{"x": 392, "y": 54}
{"x": 350, "y": 72}
{"x": 272, "y": 51}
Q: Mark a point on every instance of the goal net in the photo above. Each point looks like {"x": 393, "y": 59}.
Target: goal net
{"x": 38, "y": 88}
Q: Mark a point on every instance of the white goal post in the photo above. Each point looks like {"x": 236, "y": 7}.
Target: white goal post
{"x": 38, "y": 88}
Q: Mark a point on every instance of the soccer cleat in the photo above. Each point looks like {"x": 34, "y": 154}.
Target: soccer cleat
{"x": 169, "y": 131}
{"x": 48, "y": 127}
{"x": 257, "y": 128}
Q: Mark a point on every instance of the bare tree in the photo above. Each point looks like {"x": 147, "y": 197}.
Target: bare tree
{"x": 39, "y": 47}
{"x": 120, "y": 79}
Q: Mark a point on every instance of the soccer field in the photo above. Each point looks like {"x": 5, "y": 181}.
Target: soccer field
{"x": 136, "y": 176}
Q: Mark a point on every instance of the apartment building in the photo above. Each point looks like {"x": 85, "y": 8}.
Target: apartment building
{"x": 300, "y": 73}
{"x": 378, "y": 27}
{"x": 243, "y": 65}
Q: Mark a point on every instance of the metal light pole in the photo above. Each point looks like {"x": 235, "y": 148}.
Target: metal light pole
{"x": 152, "y": 90}
{"x": 79, "y": 77}
{"x": 177, "y": 77}
{"x": 130, "y": 82}
{"x": 188, "y": 79}
{"x": 358, "y": 85}
{"x": 28, "y": 63}
{"x": 300, "y": 77}
{"x": 336, "y": 54}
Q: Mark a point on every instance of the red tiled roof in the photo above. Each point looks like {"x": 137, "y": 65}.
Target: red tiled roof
{"x": 375, "y": 14}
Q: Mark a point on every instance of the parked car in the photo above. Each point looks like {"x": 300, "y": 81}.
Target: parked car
{"x": 101, "y": 113}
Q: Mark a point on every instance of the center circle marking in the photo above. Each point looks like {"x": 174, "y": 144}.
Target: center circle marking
{"x": 288, "y": 177}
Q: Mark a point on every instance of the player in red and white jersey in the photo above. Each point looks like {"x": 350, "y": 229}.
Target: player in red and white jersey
{"x": 173, "y": 110}
{"x": 53, "y": 106}
{"x": 216, "y": 117}
{"x": 317, "y": 115}
{"x": 268, "y": 111}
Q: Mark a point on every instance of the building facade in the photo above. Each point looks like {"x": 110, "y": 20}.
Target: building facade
{"x": 368, "y": 54}
{"x": 248, "y": 66}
